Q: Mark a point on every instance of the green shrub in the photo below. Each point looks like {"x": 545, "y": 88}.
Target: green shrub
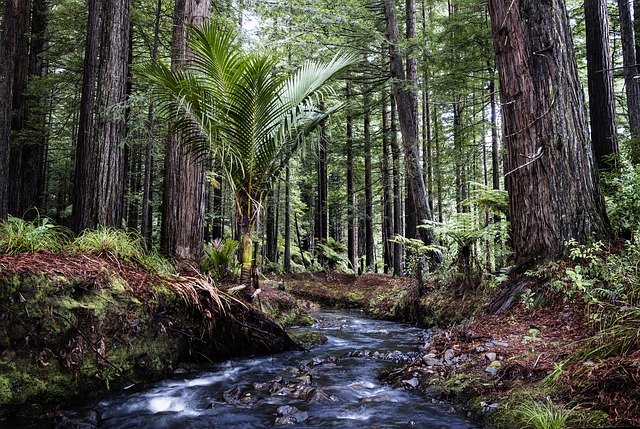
{"x": 219, "y": 260}
{"x": 19, "y": 236}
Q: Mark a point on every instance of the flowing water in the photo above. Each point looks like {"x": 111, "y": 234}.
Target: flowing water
{"x": 333, "y": 385}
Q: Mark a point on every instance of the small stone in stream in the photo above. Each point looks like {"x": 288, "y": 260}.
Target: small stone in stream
{"x": 260, "y": 386}
{"x": 491, "y": 370}
{"x": 305, "y": 379}
{"x": 448, "y": 355}
{"x": 490, "y": 356}
{"x": 76, "y": 420}
{"x": 412, "y": 383}
{"x": 376, "y": 354}
{"x": 232, "y": 395}
{"x": 288, "y": 415}
{"x": 316, "y": 396}
{"x": 479, "y": 349}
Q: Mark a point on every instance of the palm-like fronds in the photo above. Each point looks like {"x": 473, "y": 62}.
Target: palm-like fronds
{"x": 238, "y": 106}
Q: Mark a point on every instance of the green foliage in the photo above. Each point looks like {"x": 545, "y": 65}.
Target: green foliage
{"x": 20, "y": 236}
{"x": 534, "y": 414}
{"x": 623, "y": 200}
{"x": 110, "y": 242}
{"x": 219, "y": 260}
{"x": 117, "y": 243}
{"x": 334, "y": 256}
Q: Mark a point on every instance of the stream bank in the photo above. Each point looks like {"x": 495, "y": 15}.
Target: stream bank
{"x": 75, "y": 325}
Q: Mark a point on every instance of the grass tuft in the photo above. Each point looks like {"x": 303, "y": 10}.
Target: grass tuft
{"x": 19, "y": 236}
{"x": 533, "y": 414}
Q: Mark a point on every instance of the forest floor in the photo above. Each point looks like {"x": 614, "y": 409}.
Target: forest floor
{"x": 495, "y": 365}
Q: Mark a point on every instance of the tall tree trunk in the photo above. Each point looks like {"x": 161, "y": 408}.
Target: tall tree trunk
{"x": 368, "y": 187}
{"x": 287, "y": 221}
{"x": 184, "y": 187}
{"x": 111, "y": 124}
{"x": 437, "y": 149}
{"x": 407, "y": 102}
{"x": 351, "y": 199}
{"x": 551, "y": 177}
{"x": 398, "y": 224}
{"x": 631, "y": 72}
{"x": 19, "y": 109}
{"x": 9, "y": 50}
{"x": 602, "y": 110}
{"x": 387, "y": 194}
{"x": 29, "y": 134}
{"x": 322, "y": 213}
{"x": 84, "y": 177}
{"x": 147, "y": 195}
{"x": 271, "y": 227}
{"x": 458, "y": 149}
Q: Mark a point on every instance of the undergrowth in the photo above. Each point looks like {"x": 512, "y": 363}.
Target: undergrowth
{"x": 20, "y": 236}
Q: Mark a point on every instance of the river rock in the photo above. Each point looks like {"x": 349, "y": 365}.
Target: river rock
{"x": 76, "y": 420}
{"x": 317, "y": 396}
{"x": 232, "y": 396}
{"x": 412, "y": 383}
{"x": 491, "y": 370}
{"x": 490, "y": 356}
{"x": 288, "y": 415}
{"x": 448, "y": 355}
{"x": 480, "y": 349}
{"x": 430, "y": 359}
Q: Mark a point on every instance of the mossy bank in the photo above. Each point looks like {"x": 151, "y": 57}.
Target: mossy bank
{"x": 76, "y": 325}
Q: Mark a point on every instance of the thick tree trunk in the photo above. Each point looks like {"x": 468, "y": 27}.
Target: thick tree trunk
{"x": 351, "y": 199}
{"x": 184, "y": 186}
{"x": 631, "y": 72}
{"x": 84, "y": 177}
{"x": 407, "y": 103}
{"x": 551, "y": 177}
{"x": 602, "y": 110}
{"x": 111, "y": 124}
{"x": 369, "y": 244}
{"x": 9, "y": 50}
{"x": 27, "y": 148}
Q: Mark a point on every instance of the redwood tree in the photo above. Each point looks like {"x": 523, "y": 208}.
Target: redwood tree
{"x": 602, "y": 109}
{"x": 550, "y": 173}
{"x": 184, "y": 184}
{"x": 407, "y": 104}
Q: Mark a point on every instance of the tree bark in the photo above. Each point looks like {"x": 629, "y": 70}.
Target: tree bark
{"x": 111, "y": 127}
{"x": 147, "y": 195}
{"x": 184, "y": 186}
{"x": 631, "y": 71}
{"x": 287, "y": 221}
{"x": 551, "y": 177}
{"x": 602, "y": 109}
{"x": 28, "y": 130}
{"x": 351, "y": 199}
{"x": 387, "y": 195}
{"x": 398, "y": 224}
{"x": 9, "y": 50}
{"x": 369, "y": 243}
{"x": 322, "y": 213}
{"x": 407, "y": 103}
{"x": 84, "y": 176}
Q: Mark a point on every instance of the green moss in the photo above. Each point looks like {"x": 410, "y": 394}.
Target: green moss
{"x": 309, "y": 339}
{"x": 6, "y": 395}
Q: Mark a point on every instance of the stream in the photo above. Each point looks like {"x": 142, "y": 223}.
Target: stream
{"x": 332, "y": 385}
